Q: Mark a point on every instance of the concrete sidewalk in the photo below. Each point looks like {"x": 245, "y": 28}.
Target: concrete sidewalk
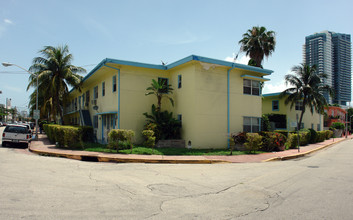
{"x": 43, "y": 147}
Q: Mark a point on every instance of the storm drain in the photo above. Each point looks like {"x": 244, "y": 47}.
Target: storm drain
{"x": 313, "y": 166}
{"x": 89, "y": 158}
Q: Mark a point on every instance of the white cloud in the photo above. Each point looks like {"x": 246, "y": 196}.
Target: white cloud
{"x": 242, "y": 60}
{"x": 8, "y": 21}
{"x": 274, "y": 87}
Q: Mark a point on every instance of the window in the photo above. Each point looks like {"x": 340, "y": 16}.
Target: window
{"x": 95, "y": 92}
{"x": 87, "y": 98}
{"x": 251, "y": 124}
{"x": 75, "y": 103}
{"x": 318, "y": 127}
{"x": 180, "y": 118}
{"x": 275, "y": 105}
{"x": 79, "y": 102}
{"x": 103, "y": 88}
{"x": 299, "y": 105}
{"x": 179, "y": 81}
{"x": 114, "y": 83}
{"x": 95, "y": 121}
{"x": 312, "y": 126}
{"x": 251, "y": 87}
{"x": 164, "y": 82}
{"x": 83, "y": 100}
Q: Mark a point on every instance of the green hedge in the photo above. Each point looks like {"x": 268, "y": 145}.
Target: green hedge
{"x": 272, "y": 141}
{"x": 68, "y": 136}
{"x": 120, "y": 139}
{"x": 321, "y": 136}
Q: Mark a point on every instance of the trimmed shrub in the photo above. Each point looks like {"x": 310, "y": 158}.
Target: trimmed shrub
{"x": 120, "y": 139}
{"x": 149, "y": 137}
{"x": 305, "y": 136}
{"x": 313, "y": 136}
{"x": 292, "y": 141}
{"x": 321, "y": 136}
{"x": 68, "y": 136}
{"x": 328, "y": 134}
{"x": 272, "y": 141}
{"x": 253, "y": 142}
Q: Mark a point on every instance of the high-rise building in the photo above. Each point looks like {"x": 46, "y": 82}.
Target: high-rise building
{"x": 331, "y": 53}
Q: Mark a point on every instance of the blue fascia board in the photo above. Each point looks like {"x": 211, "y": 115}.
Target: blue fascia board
{"x": 272, "y": 94}
{"x": 107, "y": 113}
{"x": 255, "y": 77}
{"x": 69, "y": 113}
{"x": 175, "y": 64}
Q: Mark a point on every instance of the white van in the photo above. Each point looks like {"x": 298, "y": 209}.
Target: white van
{"x": 16, "y": 134}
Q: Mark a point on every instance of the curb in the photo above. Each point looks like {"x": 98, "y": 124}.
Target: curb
{"x": 294, "y": 156}
{"x": 98, "y": 158}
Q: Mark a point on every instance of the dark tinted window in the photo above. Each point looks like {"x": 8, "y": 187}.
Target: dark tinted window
{"x": 16, "y": 129}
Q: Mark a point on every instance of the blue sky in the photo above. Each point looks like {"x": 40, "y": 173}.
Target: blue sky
{"x": 153, "y": 30}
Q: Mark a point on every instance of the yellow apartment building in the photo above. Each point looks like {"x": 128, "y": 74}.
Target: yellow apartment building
{"x": 213, "y": 98}
{"x": 272, "y": 104}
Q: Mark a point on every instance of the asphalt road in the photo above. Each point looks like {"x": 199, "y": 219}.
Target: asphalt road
{"x": 315, "y": 187}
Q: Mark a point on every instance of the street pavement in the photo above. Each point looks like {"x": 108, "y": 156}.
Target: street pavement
{"x": 317, "y": 186}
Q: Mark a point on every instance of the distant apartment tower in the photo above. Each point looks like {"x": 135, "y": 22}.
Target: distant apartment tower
{"x": 331, "y": 53}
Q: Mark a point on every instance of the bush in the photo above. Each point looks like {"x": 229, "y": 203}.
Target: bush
{"x": 120, "y": 138}
{"x": 273, "y": 141}
{"x": 337, "y": 125}
{"x": 284, "y": 132}
{"x": 313, "y": 136}
{"x": 68, "y": 136}
{"x": 253, "y": 142}
{"x": 149, "y": 137}
{"x": 328, "y": 134}
{"x": 321, "y": 136}
{"x": 305, "y": 136}
{"x": 292, "y": 141}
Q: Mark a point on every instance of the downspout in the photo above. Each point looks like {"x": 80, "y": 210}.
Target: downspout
{"x": 118, "y": 92}
{"x": 228, "y": 118}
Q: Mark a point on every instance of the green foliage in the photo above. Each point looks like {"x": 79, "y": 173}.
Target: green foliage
{"x": 265, "y": 123}
{"x": 258, "y": 43}
{"x": 160, "y": 90}
{"x": 313, "y": 136}
{"x": 273, "y": 141}
{"x": 337, "y": 125}
{"x": 167, "y": 127}
{"x": 292, "y": 141}
{"x": 86, "y": 133}
{"x": 328, "y": 134}
{"x": 120, "y": 139}
{"x": 149, "y": 137}
{"x": 321, "y": 136}
{"x": 253, "y": 142}
{"x": 284, "y": 132}
{"x": 65, "y": 136}
{"x": 305, "y": 137}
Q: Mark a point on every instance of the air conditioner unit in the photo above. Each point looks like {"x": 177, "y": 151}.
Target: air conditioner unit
{"x": 94, "y": 102}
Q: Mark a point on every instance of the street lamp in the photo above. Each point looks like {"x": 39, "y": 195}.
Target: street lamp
{"x": 36, "y": 116}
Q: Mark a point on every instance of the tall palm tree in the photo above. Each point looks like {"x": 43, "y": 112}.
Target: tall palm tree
{"x": 160, "y": 89}
{"x": 307, "y": 88}
{"x": 258, "y": 43}
{"x": 55, "y": 73}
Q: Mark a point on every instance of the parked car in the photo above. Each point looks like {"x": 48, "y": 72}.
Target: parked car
{"x": 32, "y": 124}
{"x": 1, "y": 124}
{"x": 16, "y": 135}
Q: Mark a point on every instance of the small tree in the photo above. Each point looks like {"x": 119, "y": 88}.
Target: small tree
{"x": 160, "y": 89}
{"x": 253, "y": 142}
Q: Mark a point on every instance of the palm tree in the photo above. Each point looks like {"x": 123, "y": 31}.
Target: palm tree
{"x": 160, "y": 89}
{"x": 55, "y": 73}
{"x": 307, "y": 88}
{"x": 258, "y": 43}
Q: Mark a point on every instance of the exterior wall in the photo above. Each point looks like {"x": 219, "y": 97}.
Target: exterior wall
{"x": 308, "y": 118}
{"x": 334, "y": 114}
{"x": 201, "y": 101}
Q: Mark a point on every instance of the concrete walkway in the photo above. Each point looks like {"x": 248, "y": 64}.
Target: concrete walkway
{"x": 43, "y": 147}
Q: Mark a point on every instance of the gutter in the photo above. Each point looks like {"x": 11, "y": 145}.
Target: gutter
{"x": 228, "y": 111}
{"x": 118, "y": 92}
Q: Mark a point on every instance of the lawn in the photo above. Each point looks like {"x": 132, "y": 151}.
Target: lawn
{"x": 164, "y": 151}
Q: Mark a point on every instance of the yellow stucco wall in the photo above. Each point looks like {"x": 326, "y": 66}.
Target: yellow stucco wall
{"x": 308, "y": 118}
{"x": 202, "y": 100}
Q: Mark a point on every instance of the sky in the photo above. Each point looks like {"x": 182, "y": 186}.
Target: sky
{"x": 151, "y": 31}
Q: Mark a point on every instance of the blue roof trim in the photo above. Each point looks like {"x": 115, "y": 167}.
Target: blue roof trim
{"x": 255, "y": 77}
{"x": 107, "y": 113}
{"x": 72, "y": 112}
{"x": 271, "y": 94}
{"x": 175, "y": 64}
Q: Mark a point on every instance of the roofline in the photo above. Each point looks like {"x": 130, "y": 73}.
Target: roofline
{"x": 175, "y": 64}
{"x": 272, "y": 94}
